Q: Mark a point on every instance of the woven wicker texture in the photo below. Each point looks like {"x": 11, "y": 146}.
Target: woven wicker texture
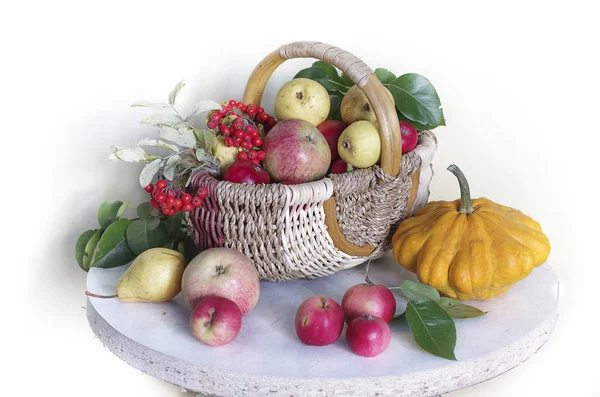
{"x": 281, "y": 228}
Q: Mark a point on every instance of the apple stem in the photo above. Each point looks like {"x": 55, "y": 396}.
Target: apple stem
{"x": 88, "y": 293}
{"x": 324, "y": 302}
{"x": 367, "y": 279}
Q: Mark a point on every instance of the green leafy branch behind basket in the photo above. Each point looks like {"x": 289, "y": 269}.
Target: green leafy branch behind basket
{"x": 178, "y": 132}
{"x": 118, "y": 240}
{"x": 415, "y": 97}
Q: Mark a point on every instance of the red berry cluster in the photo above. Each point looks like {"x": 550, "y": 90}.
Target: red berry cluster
{"x": 171, "y": 201}
{"x": 242, "y": 132}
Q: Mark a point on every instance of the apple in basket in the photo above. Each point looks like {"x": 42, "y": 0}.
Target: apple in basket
{"x": 221, "y": 272}
{"x": 409, "y": 136}
{"x": 295, "y": 150}
{"x": 331, "y": 130}
{"x": 216, "y": 321}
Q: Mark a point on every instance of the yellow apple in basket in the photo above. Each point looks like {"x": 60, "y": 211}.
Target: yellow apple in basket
{"x": 355, "y": 106}
{"x": 302, "y": 99}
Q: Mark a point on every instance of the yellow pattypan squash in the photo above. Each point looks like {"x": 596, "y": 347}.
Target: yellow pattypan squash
{"x": 470, "y": 250}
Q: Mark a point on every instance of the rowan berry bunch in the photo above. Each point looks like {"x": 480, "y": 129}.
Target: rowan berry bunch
{"x": 242, "y": 132}
{"x": 171, "y": 201}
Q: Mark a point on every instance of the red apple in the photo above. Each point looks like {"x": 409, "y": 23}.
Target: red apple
{"x": 221, "y": 272}
{"x": 331, "y": 130}
{"x": 339, "y": 166}
{"x": 409, "y": 136}
{"x": 319, "y": 321}
{"x": 374, "y": 299}
{"x": 245, "y": 171}
{"x": 368, "y": 336}
{"x": 216, "y": 321}
{"x": 296, "y": 151}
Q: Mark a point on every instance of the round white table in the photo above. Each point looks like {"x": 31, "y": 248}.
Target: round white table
{"x": 267, "y": 359}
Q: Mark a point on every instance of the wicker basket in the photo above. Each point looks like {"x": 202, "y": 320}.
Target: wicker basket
{"x": 318, "y": 228}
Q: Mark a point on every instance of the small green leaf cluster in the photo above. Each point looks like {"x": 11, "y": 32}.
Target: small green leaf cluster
{"x": 430, "y": 317}
{"x": 119, "y": 240}
{"x": 416, "y": 99}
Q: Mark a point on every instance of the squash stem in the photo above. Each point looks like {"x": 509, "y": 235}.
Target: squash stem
{"x": 465, "y": 192}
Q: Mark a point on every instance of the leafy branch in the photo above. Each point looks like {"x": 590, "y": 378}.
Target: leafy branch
{"x": 119, "y": 240}
{"x": 415, "y": 97}
{"x": 174, "y": 132}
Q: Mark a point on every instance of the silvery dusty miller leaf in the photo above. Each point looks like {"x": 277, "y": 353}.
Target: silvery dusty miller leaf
{"x": 135, "y": 154}
{"x": 151, "y": 105}
{"x": 171, "y": 167}
{"x": 162, "y": 118}
{"x": 203, "y": 106}
{"x": 182, "y": 136}
{"x": 175, "y": 92}
{"x": 157, "y": 143}
{"x": 149, "y": 171}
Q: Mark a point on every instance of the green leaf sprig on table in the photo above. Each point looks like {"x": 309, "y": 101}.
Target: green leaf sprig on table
{"x": 119, "y": 240}
{"x": 416, "y": 99}
{"x": 429, "y": 317}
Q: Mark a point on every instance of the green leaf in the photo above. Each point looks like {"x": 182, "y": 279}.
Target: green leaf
{"x": 206, "y": 139}
{"x": 130, "y": 155}
{"x": 334, "y": 110}
{"x": 175, "y": 92}
{"x": 85, "y": 247}
{"x": 190, "y": 249}
{"x": 330, "y": 71}
{"x": 415, "y": 291}
{"x": 457, "y": 309}
{"x": 145, "y": 234}
{"x": 416, "y": 99}
{"x": 418, "y": 126}
{"x": 432, "y": 328}
{"x": 162, "y": 118}
{"x": 171, "y": 166}
{"x": 202, "y": 107}
{"x": 384, "y": 75}
{"x": 347, "y": 81}
{"x": 110, "y": 211}
{"x": 144, "y": 210}
{"x": 173, "y": 224}
{"x": 333, "y": 87}
{"x": 157, "y": 143}
{"x": 183, "y": 136}
{"x": 113, "y": 249}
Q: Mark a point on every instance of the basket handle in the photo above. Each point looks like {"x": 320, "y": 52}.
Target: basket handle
{"x": 361, "y": 75}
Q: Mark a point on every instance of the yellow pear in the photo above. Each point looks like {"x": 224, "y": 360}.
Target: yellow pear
{"x": 355, "y": 106}
{"x": 302, "y": 99}
{"x": 360, "y": 144}
{"x": 225, "y": 154}
{"x": 154, "y": 276}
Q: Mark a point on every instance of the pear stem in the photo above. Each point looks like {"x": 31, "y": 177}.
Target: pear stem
{"x": 88, "y": 293}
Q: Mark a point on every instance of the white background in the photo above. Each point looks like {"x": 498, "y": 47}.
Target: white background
{"x": 519, "y": 86}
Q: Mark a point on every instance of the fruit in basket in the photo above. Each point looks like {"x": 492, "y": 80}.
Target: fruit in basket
{"x": 368, "y": 336}
{"x": 339, "y": 166}
{"x": 369, "y": 299}
{"x": 355, "y": 106}
{"x": 319, "y": 321}
{"x": 303, "y": 99}
{"x": 409, "y": 136}
{"x": 216, "y": 321}
{"x": 245, "y": 171}
{"x": 221, "y": 272}
{"x": 153, "y": 276}
{"x": 295, "y": 150}
{"x": 331, "y": 130}
{"x": 226, "y": 154}
{"x": 360, "y": 145}
{"x": 469, "y": 249}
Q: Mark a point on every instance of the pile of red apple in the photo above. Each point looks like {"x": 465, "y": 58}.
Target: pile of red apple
{"x": 367, "y": 309}
{"x": 220, "y": 285}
